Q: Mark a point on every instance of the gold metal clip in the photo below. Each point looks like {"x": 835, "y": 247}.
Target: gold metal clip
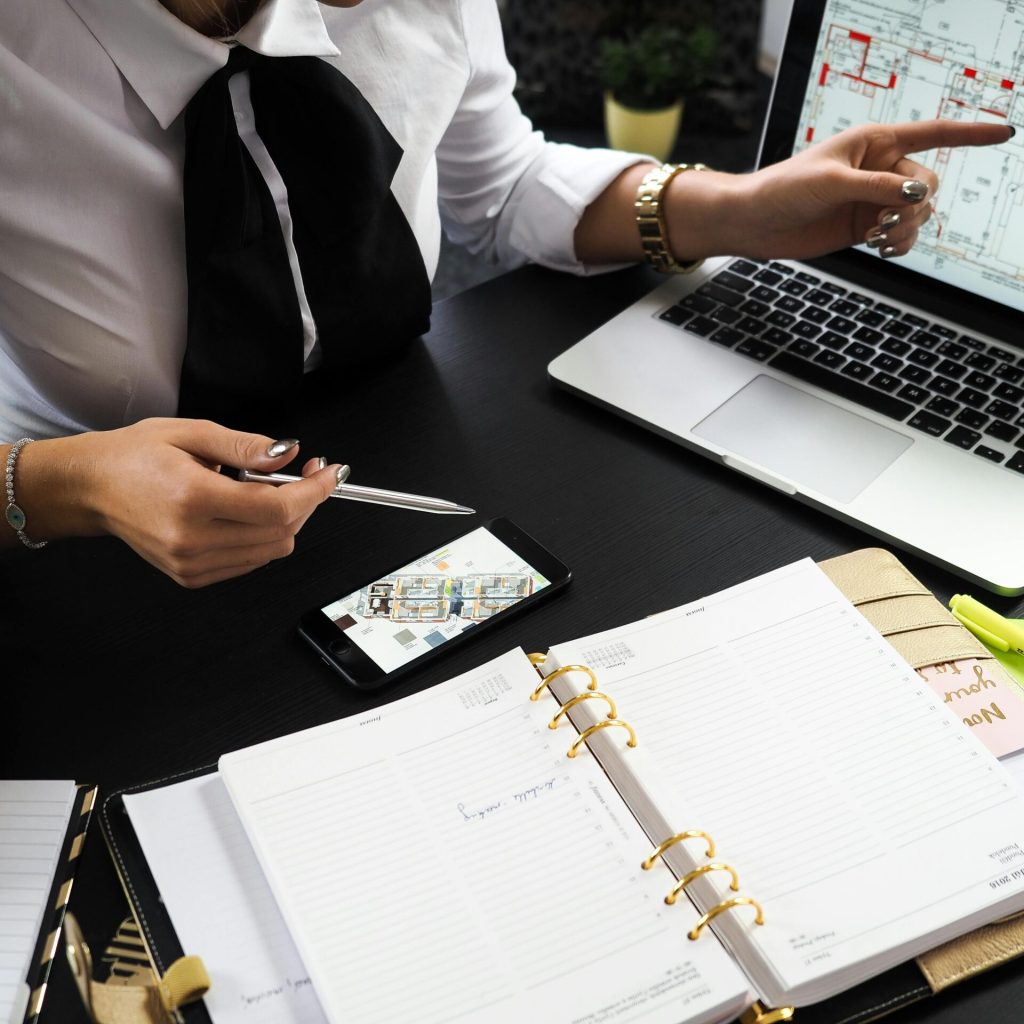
{"x": 735, "y": 901}
{"x": 696, "y": 873}
{"x": 606, "y": 724}
{"x": 552, "y": 676}
{"x": 690, "y": 833}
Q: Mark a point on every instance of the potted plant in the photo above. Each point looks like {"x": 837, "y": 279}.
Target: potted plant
{"x": 647, "y": 75}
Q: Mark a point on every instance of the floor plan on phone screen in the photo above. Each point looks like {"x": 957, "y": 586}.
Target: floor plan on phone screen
{"x": 429, "y": 601}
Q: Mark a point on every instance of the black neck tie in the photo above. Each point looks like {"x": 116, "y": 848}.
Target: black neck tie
{"x": 361, "y": 266}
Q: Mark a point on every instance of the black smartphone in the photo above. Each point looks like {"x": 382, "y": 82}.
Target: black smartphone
{"x": 399, "y": 619}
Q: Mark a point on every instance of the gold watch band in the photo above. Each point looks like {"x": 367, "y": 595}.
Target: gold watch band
{"x": 650, "y": 218}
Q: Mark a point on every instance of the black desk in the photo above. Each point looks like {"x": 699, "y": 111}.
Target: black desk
{"x": 113, "y": 674}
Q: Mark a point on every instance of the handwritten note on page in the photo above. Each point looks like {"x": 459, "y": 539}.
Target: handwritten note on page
{"x": 34, "y": 818}
{"x": 445, "y": 859}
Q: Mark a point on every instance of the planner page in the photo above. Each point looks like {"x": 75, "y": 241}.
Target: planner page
{"x": 863, "y": 817}
{"x": 443, "y": 858}
{"x": 34, "y": 818}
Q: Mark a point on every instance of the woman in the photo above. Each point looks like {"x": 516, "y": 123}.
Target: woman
{"x": 98, "y": 269}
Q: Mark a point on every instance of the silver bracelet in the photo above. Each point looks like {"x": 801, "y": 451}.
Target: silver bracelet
{"x": 13, "y": 513}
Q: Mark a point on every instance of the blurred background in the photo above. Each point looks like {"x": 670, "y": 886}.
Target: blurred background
{"x": 713, "y": 59}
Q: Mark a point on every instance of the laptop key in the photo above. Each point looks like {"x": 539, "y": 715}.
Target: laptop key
{"x": 802, "y": 275}
{"x": 895, "y": 347}
{"x": 676, "y": 315}
{"x": 972, "y": 418}
{"x": 777, "y": 336}
{"x": 1002, "y": 431}
{"x": 859, "y": 371}
{"x": 781, "y": 268}
{"x": 841, "y": 324}
{"x": 752, "y": 307}
{"x": 1009, "y": 393}
{"x": 844, "y": 387}
{"x": 1017, "y": 462}
{"x": 989, "y": 453}
{"x": 789, "y": 303}
{"x": 757, "y": 349}
{"x": 975, "y": 399}
{"x": 923, "y": 357}
{"x": 726, "y": 296}
{"x": 975, "y": 343}
{"x": 792, "y": 287}
{"x": 844, "y": 307}
{"x": 868, "y": 334}
{"x": 831, "y": 286}
{"x": 915, "y": 321}
{"x": 925, "y": 339}
{"x": 883, "y": 361}
{"x": 815, "y": 314}
{"x": 963, "y": 438}
{"x": 913, "y": 393}
{"x": 942, "y": 331}
{"x": 764, "y": 294}
{"x": 735, "y": 281}
{"x": 726, "y": 315}
{"x": 1006, "y": 372}
{"x": 951, "y": 350}
{"x": 929, "y": 423}
{"x": 805, "y": 329}
{"x": 744, "y": 267}
{"x": 702, "y": 325}
{"x": 857, "y": 350}
{"x": 780, "y": 319}
{"x": 898, "y": 329}
{"x": 870, "y": 317}
{"x": 1001, "y": 353}
{"x": 818, "y": 296}
{"x": 832, "y": 340}
{"x": 1001, "y": 410}
{"x": 885, "y": 381}
{"x": 980, "y": 361}
{"x": 950, "y": 369}
{"x": 943, "y": 386}
{"x": 943, "y": 406}
{"x": 979, "y": 381}
{"x": 727, "y": 336}
{"x": 831, "y": 358}
{"x": 803, "y": 347}
{"x": 862, "y": 300}
{"x": 749, "y": 325}
{"x": 698, "y": 303}
{"x": 888, "y": 310}
{"x": 915, "y": 374}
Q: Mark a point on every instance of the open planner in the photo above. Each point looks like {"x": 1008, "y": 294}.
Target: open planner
{"x": 748, "y": 801}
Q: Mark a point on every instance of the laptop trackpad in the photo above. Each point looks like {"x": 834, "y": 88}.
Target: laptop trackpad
{"x": 803, "y": 439}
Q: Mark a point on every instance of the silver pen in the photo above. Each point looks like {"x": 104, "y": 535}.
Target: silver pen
{"x": 373, "y": 495}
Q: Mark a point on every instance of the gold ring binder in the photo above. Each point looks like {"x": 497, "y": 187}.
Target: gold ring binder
{"x": 696, "y": 873}
{"x": 721, "y": 908}
{"x": 690, "y": 833}
{"x": 606, "y": 724}
{"x": 537, "y": 659}
{"x": 586, "y": 695}
{"x": 552, "y": 676}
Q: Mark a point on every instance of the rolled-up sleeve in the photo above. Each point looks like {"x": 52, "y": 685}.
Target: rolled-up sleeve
{"x": 505, "y": 192}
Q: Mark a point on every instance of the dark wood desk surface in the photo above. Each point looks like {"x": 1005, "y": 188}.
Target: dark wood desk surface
{"x": 112, "y": 674}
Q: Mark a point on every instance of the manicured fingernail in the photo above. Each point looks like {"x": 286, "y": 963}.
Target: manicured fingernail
{"x": 890, "y": 220}
{"x": 914, "y": 191}
{"x": 321, "y": 462}
{"x": 876, "y": 237}
{"x": 1013, "y": 131}
{"x": 280, "y": 447}
{"x": 343, "y": 472}
{"x": 887, "y": 251}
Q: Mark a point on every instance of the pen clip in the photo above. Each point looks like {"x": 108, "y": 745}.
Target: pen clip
{"x": 981, "y": 633}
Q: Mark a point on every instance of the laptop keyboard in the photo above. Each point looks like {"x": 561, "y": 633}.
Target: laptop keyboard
{"x": 946, "y": 384}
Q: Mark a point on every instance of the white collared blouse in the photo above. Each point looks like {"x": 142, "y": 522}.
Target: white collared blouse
{"x": 92, "y": 97}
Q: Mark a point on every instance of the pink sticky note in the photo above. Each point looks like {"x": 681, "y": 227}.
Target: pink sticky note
{"x": 983, "y": 702}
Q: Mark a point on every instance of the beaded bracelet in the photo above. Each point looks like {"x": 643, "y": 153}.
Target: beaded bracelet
{"x": 13, "y": 513}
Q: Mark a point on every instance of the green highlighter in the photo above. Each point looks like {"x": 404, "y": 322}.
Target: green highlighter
{"x": 990, "y": 627}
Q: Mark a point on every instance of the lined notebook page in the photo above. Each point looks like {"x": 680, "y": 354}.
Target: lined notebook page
{"x": 220, "y": 905}
{"x": 34, "y": 817}
{"x": 445, "y": 859}
{"x": 852, "y": 803}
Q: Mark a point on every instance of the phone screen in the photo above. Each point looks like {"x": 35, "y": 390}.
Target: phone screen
{"x": 435, "y": 599}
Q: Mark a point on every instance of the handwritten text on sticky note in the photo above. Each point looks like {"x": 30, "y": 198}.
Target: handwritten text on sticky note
{"x": 986, "y": 705}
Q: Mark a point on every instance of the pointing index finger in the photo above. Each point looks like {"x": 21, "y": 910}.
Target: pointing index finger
{"x": 917, "y": 136}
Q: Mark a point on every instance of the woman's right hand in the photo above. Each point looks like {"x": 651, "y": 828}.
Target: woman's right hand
{"x": 155, "y": 484}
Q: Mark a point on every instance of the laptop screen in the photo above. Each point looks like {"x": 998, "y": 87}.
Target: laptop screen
{"x": 849, "y": 62}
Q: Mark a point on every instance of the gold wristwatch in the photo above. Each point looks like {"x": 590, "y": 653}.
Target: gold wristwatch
{"x": 650, "y": 218}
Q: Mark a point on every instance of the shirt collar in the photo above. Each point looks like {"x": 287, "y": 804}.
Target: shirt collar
{"x": 166, "y": 62}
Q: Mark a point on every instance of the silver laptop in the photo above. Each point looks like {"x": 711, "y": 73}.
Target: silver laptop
{"x": 888, "y": 393}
